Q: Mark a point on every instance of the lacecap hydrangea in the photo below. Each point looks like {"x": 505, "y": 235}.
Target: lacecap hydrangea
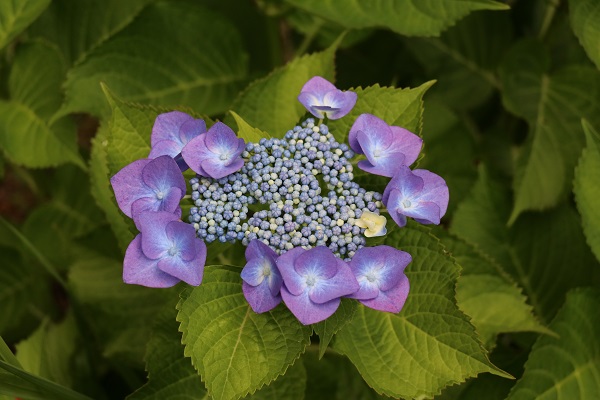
{"x": 292, "y": 201}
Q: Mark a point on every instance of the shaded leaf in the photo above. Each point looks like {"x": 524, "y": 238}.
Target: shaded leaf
{"x": 247, "y": 132}
{"x": 235, "y": 350}
{"x": 428, "y": 345}
{"x": 587, "y": 188}
{"x": 407, "y": 17}
{"x": 271, "y": 103}
{"x": 16, "y": 15}
{"x": 157, "y": 65}
{"x": 567, "y": 367}
{"x": 585, "y": 20}
{"x": 328, "y": 328}
{"x": 544, "y": 252}
{"x": 553, "y": 105}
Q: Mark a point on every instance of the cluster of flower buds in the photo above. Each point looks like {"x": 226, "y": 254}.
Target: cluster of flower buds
{"x": 308, "y": 247}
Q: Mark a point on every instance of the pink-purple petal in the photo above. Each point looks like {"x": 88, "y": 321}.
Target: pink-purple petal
{"x": 167, "y": 126}
{"x": 194, "y": 152}
{"x": 183, "y": 237}
{"x": 285, "y": 264}
{"x": 191, "y": 129}
{"x": 165, "y": 147}
{"x": 307, "y": 311}
{"x": 318, "y": 84}
{"x": 260, "y": 297}
{"x": 341, "y": 101}
{"x": 163, "y": 173}
{"x": 341, "y": 284}
{"x": 435, "y": 189}
{"x": 220, "y": 139}
{"x": 140, "y": 270}
{"x": 318, "y": 261}
{"x": 407, "y": 143}
{"x": 188, "y": 271}
{"x": 320, "y": 97}
{"x": 128, "y": 185}
{"x": 392, "y": 300}
{"x": 370, "y": 126}
{"x": 155, "y": 241}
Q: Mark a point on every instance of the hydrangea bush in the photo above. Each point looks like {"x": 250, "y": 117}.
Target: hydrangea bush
{"x": 299, "y": 199}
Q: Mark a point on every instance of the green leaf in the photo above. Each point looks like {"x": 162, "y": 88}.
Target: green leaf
{"x": 247, "y": 132}
{"x": 170, "y": 374}
{"x": 16, "y": 15}
{"x": 406, "y": 17}
{"x": 16, "y": 382}
{"x": 544, "y": 252}
{"x": 36, "y": 77}
{"x": 79, "y": 27}
{"x": 467, "y": 53}
{"x": 430, "y": 343}
{"x": 117, "y": 313}
{"x": 206, "y": 76}
{"x": 587, "y": 188}
{"x": 235, "y": 350}
{"x": 553, "y": 105}
{"x": 328, "y": 328}
{"x": 49, "y": 351}
{"x": 487, "y": 294}
{"x": 567, "y": 367}
{"x": 443, "y": 130}
{"x": 401, "y": 107}
{"x": 271, "y": 103}
{"x": 585, "y": 20}
{"x": 24, "y": 290}
{"x": 290, "y": 386}
{"x": 102, "y": 191}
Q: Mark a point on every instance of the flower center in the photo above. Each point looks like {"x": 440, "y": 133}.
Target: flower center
{"x": 223, "y": 157}
{"x": 266, "y": 271}
{"x": 371, "y": 276}
{"x": 173, "y": 251}
{"x": 311, "y": 280}
{"x": 406, "y": 203}
{"x": 160, "y": 195}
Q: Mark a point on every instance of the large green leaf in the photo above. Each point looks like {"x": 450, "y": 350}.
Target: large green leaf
{"x": 151, "y": 62}
{"x": 117, "y": 313}
{"x": 235, "y": 350}
{"x": 271, "y": 103}
{"x": 585, "y": 20}
{"x": 553, "y": 105}
{"x": 77, "y": 27}
{"x": 488, "y": 294}
{"x": 328, "y": 328}
{"x": 566, "y": 367}
{"x": 16, "y": 15}
{"x": 407, "y": 17}
{"x": 587, "y": 188}
{"x": 428, "y": 345}
{"x": 544, "y": 252}
{"x": 34, "y": 85}
{"x": 463, "y": 58}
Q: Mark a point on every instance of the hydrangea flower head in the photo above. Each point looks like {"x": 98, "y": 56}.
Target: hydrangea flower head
{"x": 379, "y": 271}
{"x": 261, "y": 278}
{"x": 149, "y": 185}
{"x": 374, "y": 224}
{"x": 321, "y": 98}
{"x": 386, "y": 147}
{"x": 419, "y": 194}
{"x": 164, "y": 253}
{"x": 314, "y": 281}
{"x": 215, "y": 154}
{"x": 172, "y": 131}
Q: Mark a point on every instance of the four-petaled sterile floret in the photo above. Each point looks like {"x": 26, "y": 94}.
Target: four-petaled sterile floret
{"x": 307, "y": 244}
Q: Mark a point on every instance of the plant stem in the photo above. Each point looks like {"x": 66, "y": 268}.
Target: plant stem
{"x": 548, "y": 17}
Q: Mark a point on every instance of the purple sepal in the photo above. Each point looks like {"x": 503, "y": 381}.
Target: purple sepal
{"x": 149, "y": 185}
{"x": 262, "y": 280}
{"x": 141, "y": 270}
{"x": 215, "y": 154}
{"x": 165, "y": 252}
{"x": 314, "y": 281}
{"x": 172, "y": 131}
{"x": 379, "y": 271}
{"x": 419, "y": 194}
{"x": 386, "y": 147}
{"x": 321, "y": 98}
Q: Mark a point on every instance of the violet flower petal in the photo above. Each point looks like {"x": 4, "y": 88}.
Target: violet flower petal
{"x": 371, "y": 126}
{"x": 407, "y": 143}
{"x": 140, "y": 270}
{"x": 392, "y": 300}
{"x": 163, "y": 173}
{"x": 306, "y": 310}
{"x": 341, "y": 284}
{"x": 165, "y": 147}
{"x": 155, "y": 241}
{"x": 320, "y": 97}
{"x": 285, "y": 264}
{"x": 319, "y": 262}
{"x": 167, "y": 126}
{"x": 189, "y": 271}
{"x": 260, "y": 297}
{"x": 189, "y": 130}
{"x": 261, "y": 267}
{"x": 183, "y": 237}
{"x": 128, "y": 185}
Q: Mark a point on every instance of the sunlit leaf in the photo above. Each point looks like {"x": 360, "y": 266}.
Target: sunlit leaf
{"x": 585, "y": 20}
{"x": 16, "y": 15}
